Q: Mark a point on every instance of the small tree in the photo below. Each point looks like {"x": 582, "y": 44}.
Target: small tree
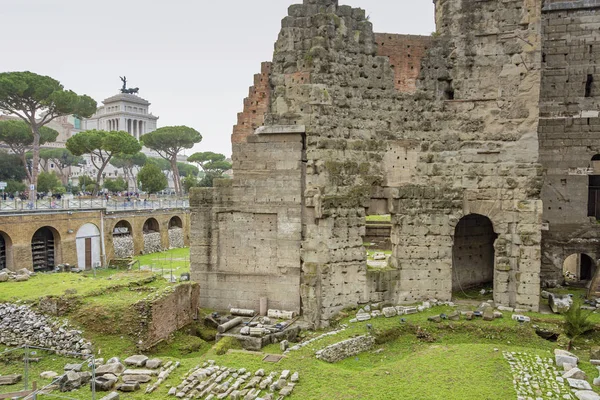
{"x": 168, "y": 142}
{"x": 115, "y": 185}
{"x": 152, "y": 178}
{"x": 129, "y": 162}
{"x": 48, "y": 182}
{"x": 189, "y": 182}
{"x": 214, "y": 165}
{"x": 63, "y": 159}
{"x": 102, "y": 146}
{"x": 37, "y": 100}
{"x": 17, "y": 136}
{"x": 576, "y": 321}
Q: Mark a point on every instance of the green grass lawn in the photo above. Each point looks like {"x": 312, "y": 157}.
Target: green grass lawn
{"x": 464, "y": 362}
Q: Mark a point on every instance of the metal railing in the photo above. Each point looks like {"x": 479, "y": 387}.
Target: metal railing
{"x": 79, "y": 204}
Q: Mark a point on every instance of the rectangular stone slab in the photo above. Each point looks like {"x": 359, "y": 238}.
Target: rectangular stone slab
{"x": 140, "y": 372}
{"x": 10, "y": 379}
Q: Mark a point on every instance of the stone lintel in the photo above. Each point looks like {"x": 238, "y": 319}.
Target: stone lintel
{"x": 280, "y": 129}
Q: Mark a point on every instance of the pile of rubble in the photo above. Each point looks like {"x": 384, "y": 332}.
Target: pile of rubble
{"x": 124, "y": 377}
{"x": 17, "y": 276}
{"x": 210, "y": 381}
{"x": 176, "y": 238}
{"x": 123, "y": 246}
{"x": 152, "y": 243}
{"x": 20, "y": 325}
{"x": 486, "y": 311}
{"x": 253, "y": 331}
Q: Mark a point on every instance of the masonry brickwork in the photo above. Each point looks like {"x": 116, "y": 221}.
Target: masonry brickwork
{"x": 342, "y": 139}
{"x": 568, "y": 132}
{"x": 405, "y": 53}
{"x": 255, "y": 106}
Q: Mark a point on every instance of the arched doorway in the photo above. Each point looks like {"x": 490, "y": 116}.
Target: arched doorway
{"x": 88, "y": 246}
{"x": 123, "y": 239}
{"x": 44, "y": 245}
{"x": 5, "y": 251}
{"x": 473, "y": 253}
{"x": 176, "y": 233}
{"x": 579, "y": 268}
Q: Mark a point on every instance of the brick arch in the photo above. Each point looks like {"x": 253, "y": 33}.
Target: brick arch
{"x": 151, "y": 225}
{"x": 175, "y": 222}
{"x": 6, "y": 253}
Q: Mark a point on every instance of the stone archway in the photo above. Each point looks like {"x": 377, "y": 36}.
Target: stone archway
{"x": 176, "y": 233}
{"x": 473, "y": 254}
{"x": 44, "y": 249}
{"x": 579, "y": 268}
{"x": 123, "y": 239}
{"x": 5, "y": 251}
{"x": 88, "y": 243}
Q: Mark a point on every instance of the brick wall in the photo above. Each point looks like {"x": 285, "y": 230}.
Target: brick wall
{"x": 405, "y": 53}
{"x": 255, "y": 106}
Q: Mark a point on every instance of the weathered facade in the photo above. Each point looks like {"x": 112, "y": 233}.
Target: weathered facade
{"x": 454, "y": 158}
{"x": 568, "y": 132}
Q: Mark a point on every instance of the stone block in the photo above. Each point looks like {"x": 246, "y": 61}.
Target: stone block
{"x": 575, "y": 373}
{"x": 111, "y": 396}
{"x": 10, "y": 379}
{"x": 112, "y": 368}
{"x": 136, "y": 361}
{"x": 579, "y": 384}
{"x": 563, "y": 356}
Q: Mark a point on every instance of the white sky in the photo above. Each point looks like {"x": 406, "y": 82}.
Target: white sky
{"x": 192, "y": 59}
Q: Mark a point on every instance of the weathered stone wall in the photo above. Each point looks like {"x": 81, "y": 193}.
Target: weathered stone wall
{"x": 176, "y": 238}
{"x": 405, "y": 53}
{"x": 247, "y": 231}
{"x": 123, "y": 246}
{"x": 347, "y": 348}
{"x": 568, "y": 131}
{"x": 464, "y": 143}
{"x": 152, "y": 243}
{"x": 169, "y": 312}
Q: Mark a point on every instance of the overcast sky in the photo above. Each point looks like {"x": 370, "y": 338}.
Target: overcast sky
{"x": 192, "y": 59}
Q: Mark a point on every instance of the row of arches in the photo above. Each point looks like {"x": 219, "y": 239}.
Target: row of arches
{"x": 46, "y": 243}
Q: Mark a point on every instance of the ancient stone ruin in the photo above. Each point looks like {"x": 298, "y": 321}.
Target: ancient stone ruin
{"x": 439, "y": 132}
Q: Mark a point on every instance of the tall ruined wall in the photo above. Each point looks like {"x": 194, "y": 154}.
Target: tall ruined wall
{"x": 405, "y": 53}
{"x": 464, "y": 143}
{"x": 569, "y": 126}
{"x": 478, "y": 150}
{"x": 247, "y": 230}
{"x": 255, "y": 106}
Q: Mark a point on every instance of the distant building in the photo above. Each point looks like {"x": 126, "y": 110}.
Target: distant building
{"x": 123, "y": 112}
